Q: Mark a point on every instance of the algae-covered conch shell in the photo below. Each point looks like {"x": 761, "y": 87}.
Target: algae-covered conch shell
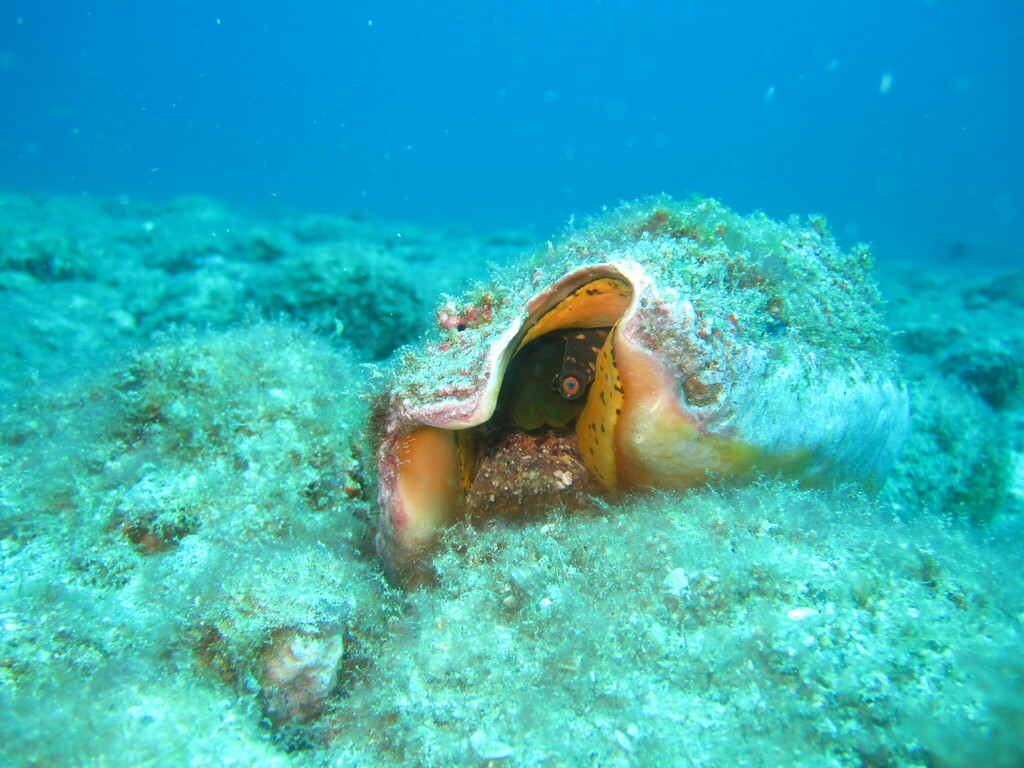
{"x": 663, "y": 345}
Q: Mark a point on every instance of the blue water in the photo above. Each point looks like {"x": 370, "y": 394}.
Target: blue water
{"x": 901, "y": 121}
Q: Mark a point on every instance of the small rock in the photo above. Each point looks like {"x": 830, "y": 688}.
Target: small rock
{"x": 1009, "y": 287}
{"x": 997, "y": 376}
{"x": 298, "y": 671}
{"x": 677, "y": 582}
{"x": 487, "y": 747}
{"x": 799, "y": 614}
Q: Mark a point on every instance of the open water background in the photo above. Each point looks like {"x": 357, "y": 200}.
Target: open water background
{"x": 900, "y": 121}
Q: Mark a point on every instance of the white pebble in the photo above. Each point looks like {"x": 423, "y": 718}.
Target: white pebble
{"x": 799, "y": 614}
{"x": 623, "y": 740}
{"x": 489, "y": 748}
{"x": 677, "y": 581}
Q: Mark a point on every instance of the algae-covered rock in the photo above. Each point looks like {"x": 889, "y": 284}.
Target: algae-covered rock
{"x": 961, "y": 347}
{"x": 199, "y": 513}
{"x": 82, "y": 277}
{"x": 996, "y": 374}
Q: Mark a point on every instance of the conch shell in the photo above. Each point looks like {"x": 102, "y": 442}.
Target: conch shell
{"x": 664, "y": 346}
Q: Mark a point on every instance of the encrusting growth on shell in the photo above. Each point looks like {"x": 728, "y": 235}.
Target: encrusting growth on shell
{"x": 692, "y": 343}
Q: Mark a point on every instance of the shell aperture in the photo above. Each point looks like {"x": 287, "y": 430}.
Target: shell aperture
{"x": 560, "y": 346}
{"x": 547, "y": 380}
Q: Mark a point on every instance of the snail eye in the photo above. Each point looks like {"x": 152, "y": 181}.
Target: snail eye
{"x": 570, "y": 386}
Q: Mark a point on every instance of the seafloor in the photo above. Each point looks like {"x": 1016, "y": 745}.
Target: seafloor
{"x": 186, "y": 516}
